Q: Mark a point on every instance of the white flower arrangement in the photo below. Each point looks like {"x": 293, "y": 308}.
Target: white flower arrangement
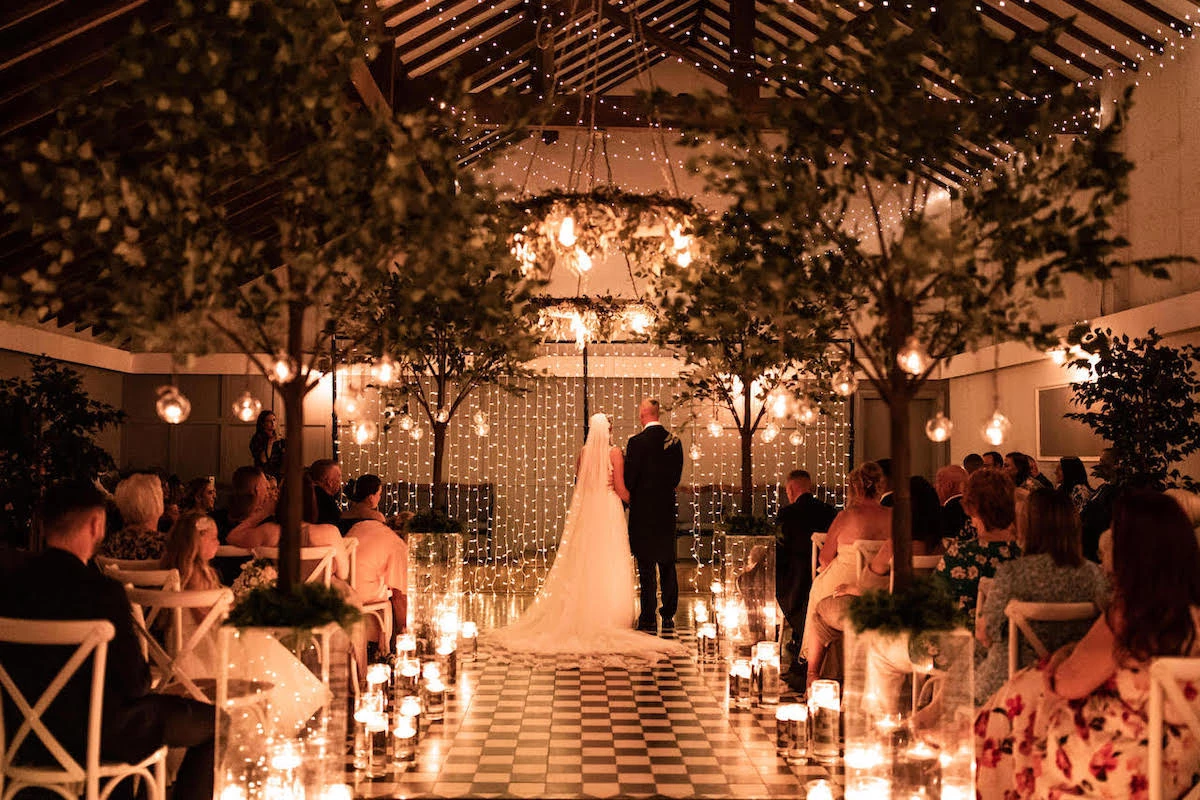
{"x": 256, "y": 573}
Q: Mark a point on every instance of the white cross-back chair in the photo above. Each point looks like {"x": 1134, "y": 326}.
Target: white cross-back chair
{"x": 1166, "y": 678}
{"x": 129, "y": 564}
{"x": 1021, "y": 613}
{"x": 165, "y": 579}
{"x": 380, "y": 609}
{"x": 864, "y": 551}
{"x": 68, "y": 778}
{"x": 921, "y": 565}
{"x": 320, "y": 557}
{"x": 818, "y": 541}
{"x": 230, "y": 551}
{"x": 169, "y": 665}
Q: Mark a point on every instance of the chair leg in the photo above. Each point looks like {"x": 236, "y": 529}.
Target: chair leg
{"x": 160, "y": 779}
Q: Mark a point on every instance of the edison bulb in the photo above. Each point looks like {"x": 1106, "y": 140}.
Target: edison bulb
{"x": 416, "y": 433}
{"x": 442, "y": 415}
{"x": 684, "y": 258}
{"x": 939, "y": 427}
{"x": 349, "y": 404}
{"x": 796, "y": 439}
{"x": 172, "y": 407}
{"x": 246, "y": 407}
{"x": 582, "y": 260}
{"x": 1059, "y": 355}
{"x": 913, "y": 357}
{"x": 996, "y": 429}
{"x": 384, "y": 370}
{"x": 769, "y": 432}
{"x": 779, "y": 405}
{"x": 844, "y": 382}
{"x": 483, "y": 428}
{"x": 695, "y": 452}
{"x": 479, "y": 418}
{"x": 405, "y": 421}
{"x": 640, "y": 321}
{"x": 284, "y": 368}
{"x": 566, "y": 232}
{"x": 715, "y": 430}
{"x": 806, "y": 411}
{"x": 364, "y": 431}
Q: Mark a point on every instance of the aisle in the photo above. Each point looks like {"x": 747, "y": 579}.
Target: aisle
{"x": 663, "y": 731}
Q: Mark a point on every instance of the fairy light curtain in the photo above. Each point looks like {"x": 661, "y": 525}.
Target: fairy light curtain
{"x": 513, "y": 485}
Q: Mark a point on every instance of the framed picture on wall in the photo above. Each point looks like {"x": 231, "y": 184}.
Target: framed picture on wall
{"x": 1058, "y": 436}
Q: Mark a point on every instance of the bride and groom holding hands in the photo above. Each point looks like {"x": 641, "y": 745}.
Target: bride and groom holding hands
{"x": 585, "y": 607}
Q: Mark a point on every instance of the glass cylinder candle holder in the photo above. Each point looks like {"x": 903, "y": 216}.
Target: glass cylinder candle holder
{"x": 825, "y": 715}
{"x": 435, "y": 699}
{"x": 766, "y": 670}
{"x": 448, "y": 625}
{"x": 283, "y": 776}
{"x": 707, "y": 648}
{"x": 404, "y": 742}
{"x": 406, "y": 646}
{"x": 370, "y": 734}
{"x": 447, "y": 660}
{"x": 791, "y": 731}
{"x": 917, "y": 771}
{"x": 740, "y": 682}
{"x": 818, "y": 790}
{"x": 377, "y": 677}
{"x": 412, "y": 708}
{"x": 407, "y": 678}
{"x": 430, "y": 669}
{"x": 468, "y": 639}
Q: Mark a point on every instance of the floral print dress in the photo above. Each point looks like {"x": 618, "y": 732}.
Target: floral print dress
{"x": 965, "y": 562}
{"x": 1030, "y": 743}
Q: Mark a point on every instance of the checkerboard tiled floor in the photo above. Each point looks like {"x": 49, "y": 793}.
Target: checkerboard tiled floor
{"x": 559, "y": 731}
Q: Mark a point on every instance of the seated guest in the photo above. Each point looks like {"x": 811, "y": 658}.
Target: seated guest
{"x": 172, "y": 491}
{"x": 1072, "y": 479}
{"x": 365, "y": 493}
{"x": 885, "y": 486}
{"x": 326, "y": 476}
{"x": 58, "y": 585}
{"x": 200, "y": 495}
{"x": 972, "y": 462}
{"x": 1076, "y": 724}
{"x": 949, "y": 483}
{"x": 1035, "y": 472}
{"x": 988, "y": 501}
{"x": 863, "y": 518}
{"x": 993, "y": 460}
{"x": 382, "y": 563}
{"x": 1017, "y": 466}
{"x": 803, "y": 516}
{"x": 139, "y": 500}
{"x": 1097, "y": 511}
{"x": 1052, "y": 569}
{"x": 191, "y": 546}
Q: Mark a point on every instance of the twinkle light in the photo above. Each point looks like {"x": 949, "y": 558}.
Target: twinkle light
{"x": 283, "y": 369}
{"x": 807, "y": 411}
{"x": 769, "y": 432}
{"x": 996, "y": 429}
{"x": 405, "y": 421}
{"x": 695, "y": 453}
{"x": 172, "y": 406}
{"x": 844, "y": 381}
{"x": 416, "y": 433}
{"x": 364, "y": 431}
{"x": 796, "y": 438}
{"x": 939, "y": 427}
{"x": 913, "y": 358}
{"x": 246, "y": 407}
{"x": 442, "y": 415}
{"x": 715, "y": 429}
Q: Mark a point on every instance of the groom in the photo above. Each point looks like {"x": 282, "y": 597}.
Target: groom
{"x": 653, "y": 467}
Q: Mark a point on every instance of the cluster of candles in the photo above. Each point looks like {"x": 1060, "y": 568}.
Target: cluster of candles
{"x": 726, "y": 629}
{"x": 400, "y": 696}
{"x": 899, "y": 762}
{"x": 811, "y": 731}
{"x": 755, "y": 680}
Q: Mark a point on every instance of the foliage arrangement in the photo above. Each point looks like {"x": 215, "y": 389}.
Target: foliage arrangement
{"x": 130, "y": 196}
{"x": 305, "y": 605}
{"x": 48, "y": 425}
{"x": 923, "y": 605}
{"x": 749, "y": 525}
{"x": 927, "y": 194}
{"x": 254, "y": 574}
{"x": 435, "y": 522}
{"x": 722, "y": 312}
{"x": 1142, "y": 397}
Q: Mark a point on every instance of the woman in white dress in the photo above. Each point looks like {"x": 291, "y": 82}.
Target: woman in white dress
{"x": 586, "y": 606}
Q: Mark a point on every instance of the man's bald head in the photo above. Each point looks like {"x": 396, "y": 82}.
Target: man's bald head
{"x": 649, "y": 410}
{"x": 950, "y": 481}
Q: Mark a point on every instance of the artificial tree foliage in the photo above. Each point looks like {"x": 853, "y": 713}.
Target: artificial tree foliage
{"x": 1143, "y": 397}
{"x": 932, "y": 181}
{"x": 142, "y": 196}
{"x": 722, "y": 313}
{"x": 48, "y": 428}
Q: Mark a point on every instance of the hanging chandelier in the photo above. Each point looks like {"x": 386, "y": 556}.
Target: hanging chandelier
{"x": 591, "y": 319}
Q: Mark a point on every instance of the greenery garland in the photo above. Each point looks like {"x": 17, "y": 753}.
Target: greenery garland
{"x": 748, "y": 525}
{"x": 435, "y": 522}
{"x": 926, "y": 605}
{"x": 307, "y": 605}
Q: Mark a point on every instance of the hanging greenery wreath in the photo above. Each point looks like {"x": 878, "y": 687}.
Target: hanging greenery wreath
{"x": 590, "y": 319}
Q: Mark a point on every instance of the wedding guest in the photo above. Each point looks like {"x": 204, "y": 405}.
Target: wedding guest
{"x": 326, "y": 475}
{"x": 1072, "y": 479}
{"x": 172, "y": 490}
{"x": 1190, "y": 503}
{"x": 1097, "y": 512}
{"x": 200, "y": 495}
{"x": 57, "y": 584}
{"x": 1017, "y": 466}
{"x": 266, "y": 445}
{"x": 885, "y": 488}
{"x": 993, "y": 460}
{"x": 1052, "y": 569}
{"x": 191, "y": 546}
{"x": 863, "y": 518}
{"x": 1035, "y": 472}
{"x": 139, "y": 501}
{"x": 365, "y": 493}
{"x": 972, "y": 462}
{"x": 1075, "y": 724}
{"x": 988, "y": 501}
{"x": 949, "y": 483}
{"x": 382, "y": 564}
{"x": 803, "y": 516}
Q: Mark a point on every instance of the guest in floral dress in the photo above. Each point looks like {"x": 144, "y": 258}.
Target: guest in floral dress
{"x": 988, "y": 501}
{"x": 1077, "y": 723}
{"x": 140, "y": 502}
{"x": 1052, "y": 570}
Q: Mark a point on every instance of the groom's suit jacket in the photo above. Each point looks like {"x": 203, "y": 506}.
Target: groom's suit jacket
{"x": 653, "y": 467}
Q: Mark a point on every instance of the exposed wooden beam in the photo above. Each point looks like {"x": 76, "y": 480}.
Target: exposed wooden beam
{"x": 651, "y": 36}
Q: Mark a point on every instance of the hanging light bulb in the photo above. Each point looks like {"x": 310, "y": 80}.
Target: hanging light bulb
{"x": 442, "y": 415}
{"x": 349, "y": 404}
{"x": 384, "y": 370}
{"x": 684, "y": 258}
{"x": 639, "y": 320}
{"x": 695, "y": 452}
{"x": 483, "y": 428}
{"x": 364, "y": 431}
{"x": 1059, "y": 355}
{"x": 246, "y": 407}
{"x": 715, "y": 430}
{"x": 284, "y": 368}
{"x": 405, "y": 421}
{"x": 479, "y": 418}
{"x": 172, "y": 407}
{"x": 796, "y": 439}
{"x": 769, "y": 432}
{"x": 939, "y": 427}
{"x": 582, "y": 260}
{"x": 844, "y": 382}
{"x": 416, "y": 433}
{"x": 806, "y": 411}
{"x": 566, "y": 231}
{"x": 913, "y": 357}
{"x": 778, "y": 405}
{"x": 996, "y": 429}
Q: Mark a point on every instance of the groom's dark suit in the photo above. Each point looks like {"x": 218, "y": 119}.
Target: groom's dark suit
{"x": 653, "y": 467}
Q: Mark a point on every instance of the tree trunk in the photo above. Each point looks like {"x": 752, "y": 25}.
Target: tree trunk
{"x": 440, "y": 500}
{"x": 899, "y": 409}
{"x": 291, "y": 511}
{"x": 746, "y": 429}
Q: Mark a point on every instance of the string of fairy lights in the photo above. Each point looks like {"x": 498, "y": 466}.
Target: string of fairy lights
{"x": 512, "y": 486}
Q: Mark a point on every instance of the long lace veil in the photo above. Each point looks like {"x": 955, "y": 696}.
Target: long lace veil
{"x": 593, "y": 461}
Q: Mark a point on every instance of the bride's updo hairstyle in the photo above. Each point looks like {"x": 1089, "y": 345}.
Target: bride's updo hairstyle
{"x": 864, "y": 482}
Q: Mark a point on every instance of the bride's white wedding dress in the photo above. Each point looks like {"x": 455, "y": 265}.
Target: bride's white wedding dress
{"x": 586, "y": 606}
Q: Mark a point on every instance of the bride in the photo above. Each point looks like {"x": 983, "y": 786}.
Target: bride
{"x": 586, "y": 605}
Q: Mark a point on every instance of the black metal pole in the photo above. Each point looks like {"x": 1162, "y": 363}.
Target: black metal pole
{"x": 586, "y": 415}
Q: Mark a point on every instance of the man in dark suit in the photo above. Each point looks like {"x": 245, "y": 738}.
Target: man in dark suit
{"x": 949, "y": 483}
{"x": 653, "y": 467}
{"x": 326, "y": 476}
{"x": 885, "y": 491}
{"x": 803, "y": 516}
{"x": 59, "y": 584}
